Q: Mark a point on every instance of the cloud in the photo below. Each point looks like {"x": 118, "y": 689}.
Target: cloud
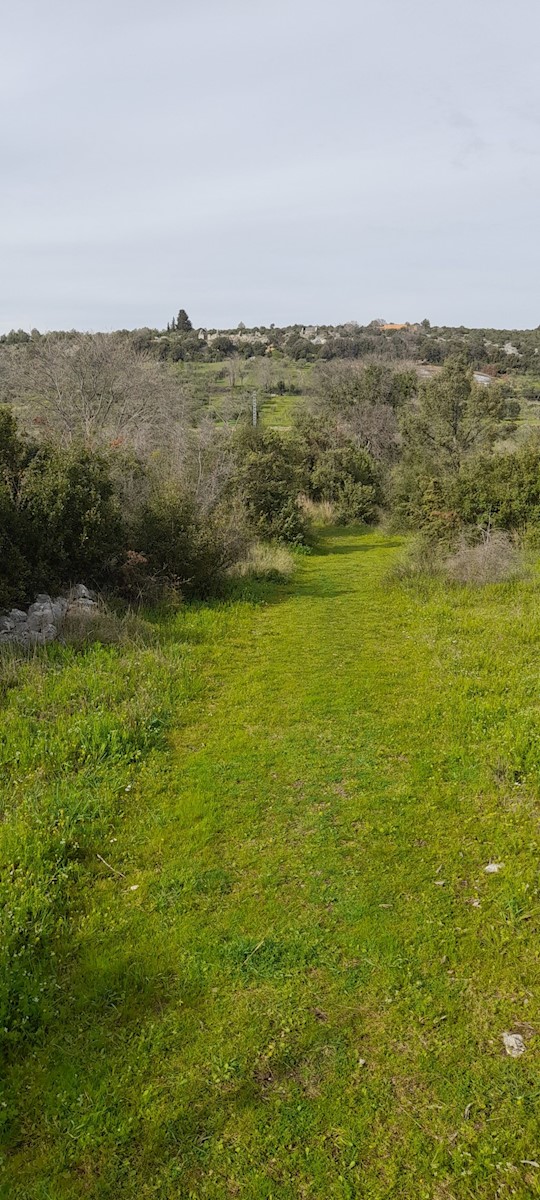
{"x": 299, "y": 163}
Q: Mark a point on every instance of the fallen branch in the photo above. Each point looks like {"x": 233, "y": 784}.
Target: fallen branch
{"x": 254, "y": 951}
{"x": 113, "y": 869}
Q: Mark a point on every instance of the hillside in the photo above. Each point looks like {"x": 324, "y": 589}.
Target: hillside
{"x": 222, "y": 372}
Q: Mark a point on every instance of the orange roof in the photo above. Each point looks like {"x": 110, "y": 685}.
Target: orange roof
{"x": 404, "y": 326}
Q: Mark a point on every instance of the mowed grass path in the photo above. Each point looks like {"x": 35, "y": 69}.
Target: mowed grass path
{"x": 298, "y": 984}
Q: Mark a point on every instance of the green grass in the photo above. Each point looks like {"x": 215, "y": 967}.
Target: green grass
{"x": 210, "y": 384}
{"x": 276, "y": 411}
{"x": 280, "y": 986}
{"x": 529, "y": 419}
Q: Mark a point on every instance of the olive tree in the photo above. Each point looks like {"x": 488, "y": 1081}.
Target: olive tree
{"x": 454, "y": 418}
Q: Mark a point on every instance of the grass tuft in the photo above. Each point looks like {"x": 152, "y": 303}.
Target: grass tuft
{"x": 272, "y": 563}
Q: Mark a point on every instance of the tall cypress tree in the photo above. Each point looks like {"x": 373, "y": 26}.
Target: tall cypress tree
{"x": 183, "y": 323}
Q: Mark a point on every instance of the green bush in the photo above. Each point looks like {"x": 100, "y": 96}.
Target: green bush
{"x": 15, "y": 569}
{"x": 267, "y": 480}
{"x": 77, "y": 514}
{"x": 423, "y": 502}
{"x": 355, "y": 502}
{"x": 347, "y": 477}
{"x": 183, "y": 547}
{"x": 59, "y": 516}
{"x": 503, "y": 491}
{"x": 77, "y": 530}
{"x": 14, "y": 530}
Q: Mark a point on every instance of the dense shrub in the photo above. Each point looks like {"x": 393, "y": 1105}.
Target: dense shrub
{"x": 503, "y": 491}
{"x": 59, "y": 518}
{"x": 420, "y": 501}
{"x": 355, "y": 502}
{"x": 15, "y": 570}
{"x": 75, "y": 513}
{"x": 453, "y": 420}
{"x": 347, "y": 477}
{"x": 181, "y": 546}
{"x": 14, "y": 530}
{"x": 336, "y": 470}
{"x": 345, "y": 385}
{"x": 77, "y": 530}
{"x": 267, "y": 480}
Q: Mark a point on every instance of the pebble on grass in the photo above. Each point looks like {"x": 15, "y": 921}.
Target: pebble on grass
{"x": 513, "y": 1044}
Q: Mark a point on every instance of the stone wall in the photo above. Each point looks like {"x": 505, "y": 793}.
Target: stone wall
{"x": 42, "y": 622}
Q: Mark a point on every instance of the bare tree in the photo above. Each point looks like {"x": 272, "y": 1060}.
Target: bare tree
{"x": 236, "y": 369}
{"x": 265, "y": 374}
{"x": 96, "y": 388}
{"x": 213, "y": 461}
{"x": 375, "y": 428}
{"x": 361, "y": 398}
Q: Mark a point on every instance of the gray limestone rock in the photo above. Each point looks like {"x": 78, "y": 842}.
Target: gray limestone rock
{"x": 41, "y": 623}
{"x": 59, "y": 607}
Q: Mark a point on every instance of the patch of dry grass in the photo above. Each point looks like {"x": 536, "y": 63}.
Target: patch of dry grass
{"x": 319, "y": 512}
{"x": 80, "y": 629}
{"x": 477, "y": 560}
{"x": 497, "y": 558}
{"x": 263, "y": 561}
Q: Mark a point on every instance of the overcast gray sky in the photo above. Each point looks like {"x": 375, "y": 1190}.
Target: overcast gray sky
{"x": 285, "y": 161}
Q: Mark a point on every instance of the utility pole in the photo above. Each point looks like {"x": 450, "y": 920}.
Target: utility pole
{"x": 254, "y": 408}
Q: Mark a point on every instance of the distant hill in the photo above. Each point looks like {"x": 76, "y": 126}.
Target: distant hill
{"x": 493, "y": 351}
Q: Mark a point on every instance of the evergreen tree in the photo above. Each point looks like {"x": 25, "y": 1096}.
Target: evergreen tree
{"x": 454, "y": 418}
{"x": 183, "y": 323}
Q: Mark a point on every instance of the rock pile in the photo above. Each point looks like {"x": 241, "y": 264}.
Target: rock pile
{"x": 44, "y": 618}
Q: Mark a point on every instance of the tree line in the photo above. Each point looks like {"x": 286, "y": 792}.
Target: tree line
{"x": 112, "y": 471}
{"x": 498, "y": 352}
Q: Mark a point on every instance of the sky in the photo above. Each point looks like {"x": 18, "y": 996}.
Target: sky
{"x": 285, "y": 162}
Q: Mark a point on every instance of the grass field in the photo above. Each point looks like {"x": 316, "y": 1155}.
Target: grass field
{"x": 276, "y": 411}
{"x": 289, "y": 973}
{"x": 210, "y": 383}
{"x": 529, "y": 420}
